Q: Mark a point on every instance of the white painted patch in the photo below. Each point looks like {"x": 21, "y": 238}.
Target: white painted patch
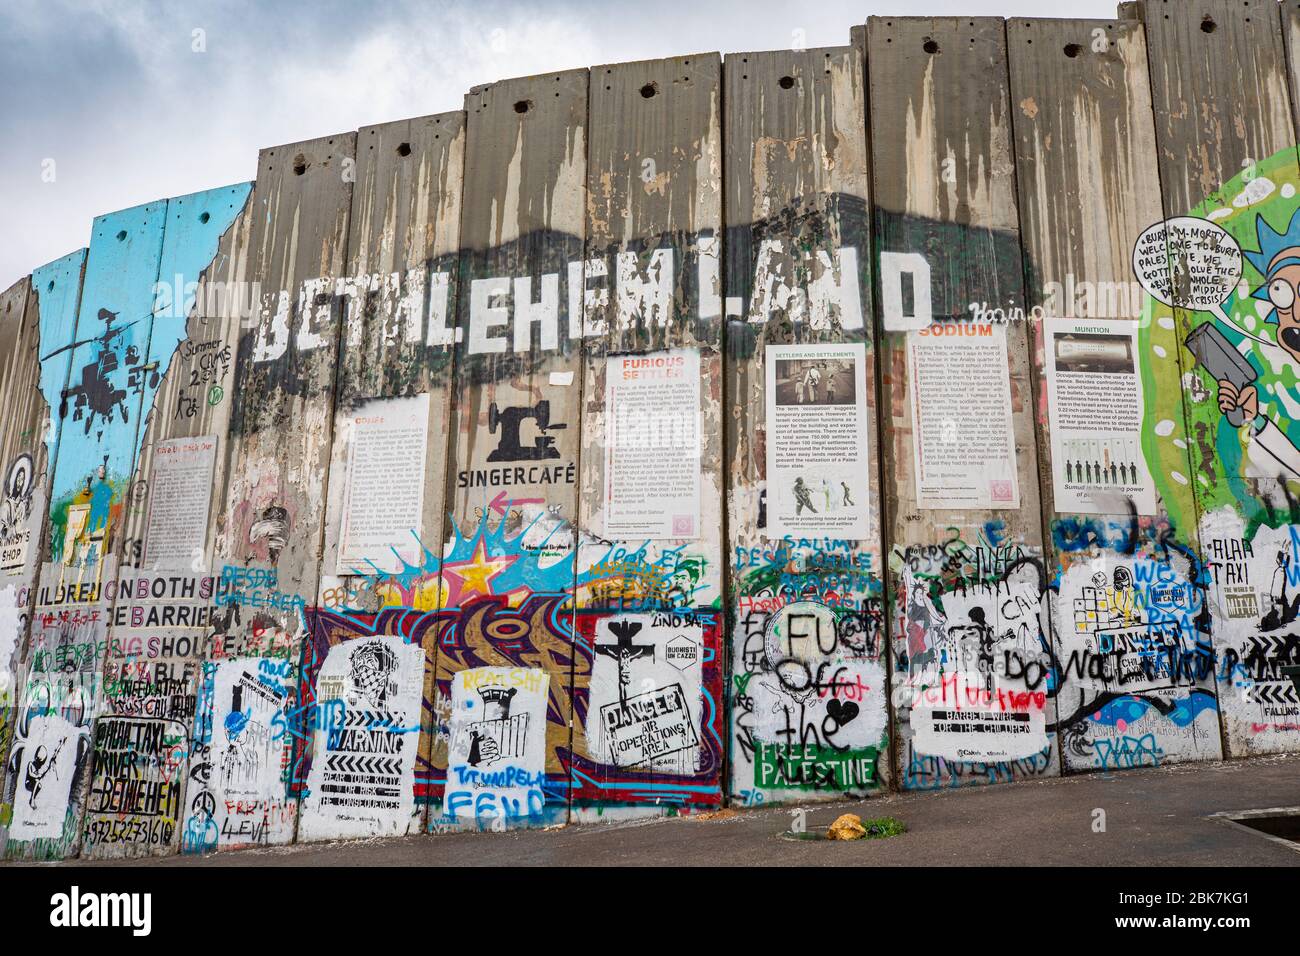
{"x": 1257, "y": 190}
{"x": 1164, "y": 427}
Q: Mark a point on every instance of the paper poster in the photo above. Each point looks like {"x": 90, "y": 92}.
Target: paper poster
{"x": 362, "y": 777}
{"x": 180, "y": 496}
{"x": 383, "y": 500}
{"x": 652, "y": 445}
{"x": 496, "y": 761}
{"x": 645, "y": 691}
{"x": 963, "y": 448}
{"x": 1094, "y": 405}
{"x": 817, "y": 469}
{"x": 46, "y": 761}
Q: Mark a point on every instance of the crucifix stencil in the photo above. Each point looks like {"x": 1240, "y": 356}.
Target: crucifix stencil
{"x": 624, "y": 652}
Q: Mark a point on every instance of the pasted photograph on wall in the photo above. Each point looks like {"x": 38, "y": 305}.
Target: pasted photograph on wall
{"x": 816, "y": 440}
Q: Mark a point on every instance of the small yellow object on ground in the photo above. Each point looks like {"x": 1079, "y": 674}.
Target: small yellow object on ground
{"x": 847, "y": 826}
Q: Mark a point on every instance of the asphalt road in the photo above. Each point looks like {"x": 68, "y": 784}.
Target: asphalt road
{"x": 1152, "y": 817}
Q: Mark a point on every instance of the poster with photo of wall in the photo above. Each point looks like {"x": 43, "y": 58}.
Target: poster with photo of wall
{"x": 817, "y": 468}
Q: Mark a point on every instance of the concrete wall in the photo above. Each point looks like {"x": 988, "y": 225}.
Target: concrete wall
{"x": 913, "y": 413}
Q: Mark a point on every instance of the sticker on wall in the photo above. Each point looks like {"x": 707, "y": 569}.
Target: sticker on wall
{"x": 17, "y": 500}
{"x": 963, "y": 448}
{"x": 1094, "y": 403}
{"x": 496, "y": 764}
{"x": 816, "y": 419}
{"x": 652, "y": 445}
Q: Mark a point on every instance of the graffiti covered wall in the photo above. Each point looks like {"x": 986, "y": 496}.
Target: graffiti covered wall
{"x": 783, "y": 426}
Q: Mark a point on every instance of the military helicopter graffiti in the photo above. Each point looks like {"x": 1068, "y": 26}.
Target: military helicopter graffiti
{"x": 97, "y": 395}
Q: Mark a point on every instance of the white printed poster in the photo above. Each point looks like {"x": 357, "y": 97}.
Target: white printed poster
{"x": 496, "y": 760}
{"x": 45, "y": 761}
{"x": 383, "y": 500}
{"x": 1094, "y": 405}
{"x": 362, "y": 777}
{"x": 180, "y": 497}
{"x": 249, "y": 741}
{"x": 652, "y": 445}
{"x": 817, "y": 467}
{"x": 963, "y": 446}
{"x": 645, "y": 691}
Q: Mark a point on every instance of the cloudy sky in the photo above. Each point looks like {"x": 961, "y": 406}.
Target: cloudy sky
{"x": 121, "y": 101}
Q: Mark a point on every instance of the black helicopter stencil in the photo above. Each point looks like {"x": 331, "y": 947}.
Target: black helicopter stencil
{"x": 97, "y": 394}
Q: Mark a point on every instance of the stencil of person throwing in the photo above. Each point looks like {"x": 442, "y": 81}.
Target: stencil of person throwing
{"x": 848, "y": 502}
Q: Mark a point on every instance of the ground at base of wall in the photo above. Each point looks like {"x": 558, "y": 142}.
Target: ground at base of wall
{"x": 1150, "y": 817}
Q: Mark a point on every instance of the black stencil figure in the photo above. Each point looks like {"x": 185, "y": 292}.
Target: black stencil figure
{"x": 1069, "y": 470}
{"x": 41, "y": 766}
{"x": 1096, "y": 470}
{"x": 847, "y": 500}
{"x": 1087, "y": 470}
{"x": 624, "y": 652}
{"x": 985, "y": 636}
{"x": 802, "y": 497}
{"x": 96, "y": 395}
{"x": 1283, "y": 608}
{"x": 1114, "y": 478}
{"x": 510, "y": 420}
{"x": 373, "y": 670}
{"x": 482, "y": 748}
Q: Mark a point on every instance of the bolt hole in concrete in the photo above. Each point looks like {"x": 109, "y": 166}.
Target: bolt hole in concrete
{"x": 522, "y": 106}
{"x": 1072, "y": 50}
{"x": 404, "y": 149}
{"x": 786, "y": 82}
{"x": 931, "y": 46}
{"x": 299, "y": 165}
{"x": 1208, "y": 25}
{"x": 849, "y": 826}
{"x": 649, "y": 90}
